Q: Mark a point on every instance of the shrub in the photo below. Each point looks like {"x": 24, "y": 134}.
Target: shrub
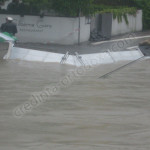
{"x": 145, "y": 6}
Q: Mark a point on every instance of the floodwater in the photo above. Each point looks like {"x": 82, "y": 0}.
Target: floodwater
{"x": 110, "y": 113}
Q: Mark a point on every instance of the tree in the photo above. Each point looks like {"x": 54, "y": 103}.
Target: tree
{"x": 40, "y": 4}
{"x": 2, "y": 1}
{"x": 63, "y": 7}
{"x": 72, "y": 7}
{"x": 145, "y": 6}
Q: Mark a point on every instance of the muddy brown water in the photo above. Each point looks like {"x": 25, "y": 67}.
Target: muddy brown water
{"x": 3, "y": 49}
{"x": 90, "y": 114}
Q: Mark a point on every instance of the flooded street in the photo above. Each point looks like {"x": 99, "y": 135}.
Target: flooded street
{"x": 90, "y": 114}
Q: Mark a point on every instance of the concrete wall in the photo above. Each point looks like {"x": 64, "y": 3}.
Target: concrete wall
{"x": 95, "y": 22}
{"x": 58, "y": 30}
{"x": 135, "y": 24}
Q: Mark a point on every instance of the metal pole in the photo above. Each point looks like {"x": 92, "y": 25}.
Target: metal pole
{"x": 126, "y": 65}
{"x": 79, "y": 28}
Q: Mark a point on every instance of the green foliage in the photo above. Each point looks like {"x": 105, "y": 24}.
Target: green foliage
{"x": 40, "y": 4}
{"x": 63, "y": 7}
{"x": 72, "y": 7}
{"x": 2, "y": 1}
{"x": 127, "y": 3}
{"x": 120, "y": 13}
{"x": 145, "y": 6}
{"x": 66, "y": 7}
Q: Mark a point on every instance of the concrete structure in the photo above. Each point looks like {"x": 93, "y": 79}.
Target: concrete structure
{"x": 135, "y": 24}
{"x": 63, "y": 30}
{"x": 57, "y": 30}
{"x": 95, "y": 22}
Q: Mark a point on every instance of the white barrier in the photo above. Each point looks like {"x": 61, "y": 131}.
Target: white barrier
{"x": 76, "y": 60}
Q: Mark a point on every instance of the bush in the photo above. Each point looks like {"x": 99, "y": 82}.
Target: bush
{"x": 68, "y": 8}
{"x": 130, "y": 3}
{"x": 120, "y": 12}
{"x": 71, "y": 8}
{"x": 145, "y": 6}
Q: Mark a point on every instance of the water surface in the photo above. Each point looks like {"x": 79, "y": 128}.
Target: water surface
{"x": 90, "y": 114}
